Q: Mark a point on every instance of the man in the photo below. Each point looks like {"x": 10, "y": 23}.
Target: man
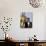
{"x": 28, "y": 24}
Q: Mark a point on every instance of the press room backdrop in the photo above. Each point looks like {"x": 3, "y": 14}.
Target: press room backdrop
{"x": 13, "y": 8}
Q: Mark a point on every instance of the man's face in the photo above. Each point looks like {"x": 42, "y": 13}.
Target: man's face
{"x": 27, "y": 19}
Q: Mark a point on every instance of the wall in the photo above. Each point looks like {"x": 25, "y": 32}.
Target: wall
{"x": 13, "y": 8}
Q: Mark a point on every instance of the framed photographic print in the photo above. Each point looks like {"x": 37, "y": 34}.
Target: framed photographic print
{"x": 26, "y": 20}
